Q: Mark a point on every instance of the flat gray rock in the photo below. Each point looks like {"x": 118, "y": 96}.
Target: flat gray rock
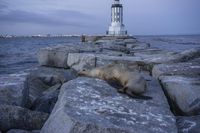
{"x": 188, "y": 124}
{"x": 186, "y": 68}
{"x": 80, "y": 61}
{"x": 161, "y": 56}
{"x": 137, "y": 46}
{"x": 57, "y": 56}
{"x": 88, "y": 105}
{"x": 14, "y": 89}
{"x": 44, "y": 78}
{"x": 14, "y": 117}
{"x": 183, "y": 94}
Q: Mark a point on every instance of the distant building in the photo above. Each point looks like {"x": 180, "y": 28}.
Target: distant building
{"x": 117, "y": 27}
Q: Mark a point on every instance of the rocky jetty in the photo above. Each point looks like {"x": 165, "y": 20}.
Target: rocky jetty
{"x": 54, "y": 99}
{"x": 92, "y": 105}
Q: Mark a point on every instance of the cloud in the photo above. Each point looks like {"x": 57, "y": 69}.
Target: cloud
{"x": 3, "y": 6}
{"x": 56, "y": 18}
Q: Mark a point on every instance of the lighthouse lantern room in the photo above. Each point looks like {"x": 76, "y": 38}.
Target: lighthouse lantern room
{"x": 117, "y": 27}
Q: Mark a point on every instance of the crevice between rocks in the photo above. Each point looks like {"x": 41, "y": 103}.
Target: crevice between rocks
{"x": 173, "y": 107}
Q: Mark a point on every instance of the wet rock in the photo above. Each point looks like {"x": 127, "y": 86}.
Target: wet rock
{"x": 188, "y": 124}
{"x": 14, "y": 89}
{"x": 106, "y": 43}
{"x": 36, "y": 87}
{"x": 79, "y": 61}
{"x": 189, "y": 54}
{"x": 45, "y": 77}
{"x": 22, "y": 131}
{"x": 161, "y": 56}
{"x": 57, "y": 56}
{"x": 128, "y": 60}
{"x": 130, "y": 40}
{"x": 51, "y": 76}
{"x": 53, "y": 57}
{"x": 112, "y": 53}
{"x": 92, "y": 106}
{"x": 186, "y": 68}
{"x": 46, "y": 102}
{"x": 113, "y": 45}
{"x": 183, "y": 94}
{"x": 14, "y": 117}
{"x": 137, "y": 46}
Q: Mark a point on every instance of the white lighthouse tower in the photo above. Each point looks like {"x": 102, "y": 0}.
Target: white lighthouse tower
{"x": 117, "y": 27}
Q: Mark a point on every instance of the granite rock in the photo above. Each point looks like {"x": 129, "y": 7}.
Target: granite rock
{"x": 186, "y": 68}
{"x": 57, "y": 56}
{"x": 46, "y": 102}
{"x": 14, "y": 117}
{"x": 79, "y": 61}
{"x": 137, "y": 46}
{"x": 188, "y": 124}
{"x": 161, "y": 56}
{"x": 14, "y": 89}
{"x": 130, "y": 40}
{"x": 93, "y": 106}
{"x": 52, "y": 76}
{"x": 44, "y": 78}
{"x": 183, "y": 94}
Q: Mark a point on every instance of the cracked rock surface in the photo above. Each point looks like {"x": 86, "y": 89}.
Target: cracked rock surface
{"x": 87, "y": 105}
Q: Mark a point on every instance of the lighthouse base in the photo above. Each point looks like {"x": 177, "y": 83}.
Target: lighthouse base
{"x": 117, "y": 30}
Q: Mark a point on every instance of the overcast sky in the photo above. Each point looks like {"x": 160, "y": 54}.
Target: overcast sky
{"x": 141, "y": 17}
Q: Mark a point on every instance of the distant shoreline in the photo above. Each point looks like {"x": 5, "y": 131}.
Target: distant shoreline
{"x": 52, "y": 36}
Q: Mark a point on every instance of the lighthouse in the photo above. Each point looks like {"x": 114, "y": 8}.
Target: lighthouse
{"x": 117, "y": 27}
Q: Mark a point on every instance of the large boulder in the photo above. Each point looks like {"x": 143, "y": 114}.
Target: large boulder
{"x": 130, "y": 40}
{"x": 14, "y": 117}
{"x": 183, "y": 94}
{"x": 14, "y": 89}
{"x": 93, "y": 106}
{"x": 57, "y": 56}
{"x": 47, "y": 100}
{"x": 186, "y": 68}
{"x": 80, "y": 61}
{"x": 137, "y": 46}
{"x": 113, "y": 45}
{"x": 188, "y": 124}
{"x": 52, "y": 76}
{"x": 130, "y": 61}
{"x": 44, "y": 78}
{"x": 161, "y": 56}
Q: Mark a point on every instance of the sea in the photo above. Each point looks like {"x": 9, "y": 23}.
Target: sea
{"x": 19, "y": 54}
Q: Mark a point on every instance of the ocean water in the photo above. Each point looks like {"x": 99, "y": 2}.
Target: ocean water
{"x": 172, "y": 43}
{"x": 19, "y": 54}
